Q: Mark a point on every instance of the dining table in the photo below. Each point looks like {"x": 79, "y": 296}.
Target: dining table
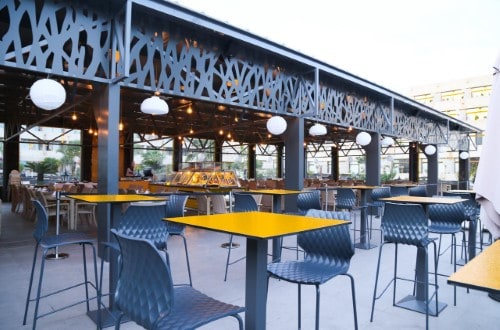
{"x": 278, "y": 195}
{"x": 416, "y": 301}
{"x": 114, "y": 201}
{"x": 481, "y": 273}
{"x": 258, "y": 228}
{"x": 364, "y": 238}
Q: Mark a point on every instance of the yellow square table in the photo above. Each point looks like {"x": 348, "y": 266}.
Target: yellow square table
{"x": 258, "y": 228}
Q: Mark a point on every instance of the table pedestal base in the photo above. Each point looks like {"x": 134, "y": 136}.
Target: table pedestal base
{"x": 410, "y": 302}
{"x": 56, "y": 256}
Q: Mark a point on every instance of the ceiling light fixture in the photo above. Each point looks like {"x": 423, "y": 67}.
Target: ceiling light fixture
{"x": 317, "y": 130}
{"x": 154, "y": 106}
{"x": 387, "y": 141}
{"x": 276, "y": 125}
{"x": 464, "y": 155}
{"x": 363, "y": 138}
{"x": 430, "y": 150}
{"x": 47, "y": 94}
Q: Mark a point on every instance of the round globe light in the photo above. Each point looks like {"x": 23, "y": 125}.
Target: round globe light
{"x": 276, "y": 125}
{"x": 363, "y": 138}
{"x": 47, "y": 94}
{"x": 464, "y": 155}
{"x": 387, "y": 141}
{"x": 317, "y": 130}
{"x": 430, "y": 150}
{"x": 154, "y": 106}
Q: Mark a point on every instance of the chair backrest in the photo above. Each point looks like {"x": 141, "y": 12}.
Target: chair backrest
{"x": 42, "y": 221}
{"x": 219, "y": 204}
{"x": 418, "y": 191}
{"x": 380, "y": 192}
{"x": 309, "y": 200}
{"x": 175, "y": 207}
{"x": 472, "y": 207}
{"x": 448, "y": 215}
{"x": 145, "y": 221}
{"x": 405, "y": 224}
{"x": 332, "y": 245}
{"x": 399, "y": 190}
{"x": 345, "y": 199}
{"x": 244, "y": 203}
{"x": 144, "y": 291}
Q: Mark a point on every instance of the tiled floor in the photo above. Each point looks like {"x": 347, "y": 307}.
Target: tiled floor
{"x": 474, "y": 310}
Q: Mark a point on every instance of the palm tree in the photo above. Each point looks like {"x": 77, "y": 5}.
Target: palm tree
{"x": 47, "y": 165}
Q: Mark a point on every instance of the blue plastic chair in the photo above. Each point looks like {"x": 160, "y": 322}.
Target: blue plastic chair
{"x": 399, "y": 190}
{"x": 418, "y": 191}
{"x": 48, "y": 243}
{"x": 308, "y": 200}
{"x": 447, "y": 219}
{"x": 141, "y": 220}
{"x": 175, "y": 206}
{"x": 328, "y": 253}
{"x": 242, "y": 203}
{"x": 376, "y": 196}
{"x": 406, "y": 224}
{"x": 346, "y": 200}
{"x": 146, "y": 295}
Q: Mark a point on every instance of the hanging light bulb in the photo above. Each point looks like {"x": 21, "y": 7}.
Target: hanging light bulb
{"x": 154, "y": 106}
{"x": 317, "y": 130}
{"x": 276, "y": 125}
{"x": 387, "y": 141}
{"x": 47, "y": 94}
{"x": 120, "y": 126}
{"x": 363, "y": 138}
{"x": 430, "y": 150}
{"x": 74, "y": 116}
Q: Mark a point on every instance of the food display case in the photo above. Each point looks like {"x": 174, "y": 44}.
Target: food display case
{"x": 204, "y": 175}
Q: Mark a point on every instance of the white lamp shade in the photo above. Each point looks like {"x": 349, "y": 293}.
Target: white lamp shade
{"x": 317, "y": 129}
{"x": 363, "y": 138}
{"x": 47, "y": 94}
{"x": 464, "y": 155}
{"x": 430, "y": 150}
{"x": 387, "y": 141}
{"x": 276, "y": 125}
{"x": 154, "y": 106}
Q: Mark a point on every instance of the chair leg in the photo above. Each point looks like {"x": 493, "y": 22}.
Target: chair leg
{"x": 317, "y": 306}
{"x": 376, "y": 282}
{"x": 28, "y": 298}
{"x": 353, "y": 292}
{"x": 187, "y": 259}
{"x": 299, "y": 305}
{"x": 229, "y": 248}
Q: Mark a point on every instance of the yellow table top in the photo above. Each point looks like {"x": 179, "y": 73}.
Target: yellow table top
{"x": 258, "y": 224}
{"x": 482, "y": 272}
{"x": 118, "y": 198}
{"x": 274, "y": 191}
{"x": 423, "y": 200}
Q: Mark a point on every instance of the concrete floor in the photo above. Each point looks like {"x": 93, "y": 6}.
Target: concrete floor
{"x": 474, "y": 310}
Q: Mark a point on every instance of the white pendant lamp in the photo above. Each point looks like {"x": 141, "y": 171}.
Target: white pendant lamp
{"x": 464, "y": 155}
{"x": 430, "y": 150}
{"x": 317, "y": 129}
{"x": 387, "y": 141}
{"x": 276, "y": 125}
{"x": 363, "y": 138}
{"x": 47, "y": 94}
{"x": 154, "y": 106}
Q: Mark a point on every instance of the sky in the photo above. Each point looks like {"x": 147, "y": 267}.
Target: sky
{"x": 397, "y": 44}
